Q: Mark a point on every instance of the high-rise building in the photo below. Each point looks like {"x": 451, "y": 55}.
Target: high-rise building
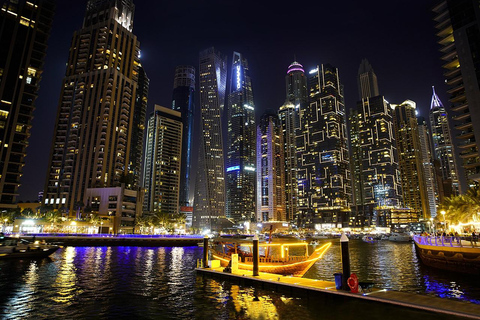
{"x": 376, "y": 178}
{"x": 296, "y": 84}
{"x": 288, "y": 121}
{"x": 367, "y": 81}
{"x": 24, "y": 31}
{"x": 428, "y": 167}
{"x": 270, "y": 169}
{"x": 94, "y": 128}
{"x": 184, "y": 102}
{"x": 241, "y": 139}
{"x": 324, "y": 188}
{"x": 443, "y": 148}
{"x": 289, "y": 113}
{"x": 410, "y": 158}
{"x": 163, "y": 153}
{"x": 458, "y": 25}
{"x": 209, "y": 202}
{"x": 138, "y": 129}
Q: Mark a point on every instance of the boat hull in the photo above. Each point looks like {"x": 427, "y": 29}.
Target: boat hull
{"x": 29, "y": 254}
{"x": 456, "y": 259}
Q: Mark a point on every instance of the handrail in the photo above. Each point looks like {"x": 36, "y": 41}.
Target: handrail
{"x": 445, "y": 241}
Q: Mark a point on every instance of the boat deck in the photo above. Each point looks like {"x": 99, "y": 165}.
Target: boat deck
{"x": 294, "y": 285}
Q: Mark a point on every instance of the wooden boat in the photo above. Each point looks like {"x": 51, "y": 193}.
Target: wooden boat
{"x": 448, "y": 253}
{"x": 280, "y": 263}
{"x": 11, "y": 248}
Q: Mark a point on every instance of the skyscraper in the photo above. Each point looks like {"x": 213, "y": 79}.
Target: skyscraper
{"x": 138, "y": 129}
{"x": 209, "y": 203}
{"x": 443, "y": 148}
{"x": 289, "y": 113}
{"x": 410, "y": 158}
{"x": 324, "y": 173}
{"x": 288, "y": 121}
{"x": 376, "y": 178}
{"x": 184, "y": 102}
{"x": 367, "y": 81}
{"x": 93, "y": 133}
{"x": 270, "y": 169}
{"x": 163, "y": 151}
{"x": 458, "y": 28}
{"x": 24, "y": 31}
{"x": 241, "y": 138}
{"x": 428, "y": 166}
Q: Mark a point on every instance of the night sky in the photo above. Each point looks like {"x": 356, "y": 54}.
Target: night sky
{"x": 396, "y": 36}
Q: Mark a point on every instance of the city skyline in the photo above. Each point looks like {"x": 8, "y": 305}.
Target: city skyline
{"x": 268, "y": 60}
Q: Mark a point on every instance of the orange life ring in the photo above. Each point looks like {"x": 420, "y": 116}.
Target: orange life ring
{"x": 353, "y": 283}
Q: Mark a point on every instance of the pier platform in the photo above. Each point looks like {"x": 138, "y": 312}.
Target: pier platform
{"x": 374, "y": 304}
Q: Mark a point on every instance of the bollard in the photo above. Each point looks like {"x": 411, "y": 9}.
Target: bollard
{"x": 205, "y": 252}
{"x": 256, "y": 256}
{"x": 345, "y": 261}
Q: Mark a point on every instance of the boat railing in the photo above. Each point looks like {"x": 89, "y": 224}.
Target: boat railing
{"x": 275, "y": 259}
{"x": 446, "y": 241}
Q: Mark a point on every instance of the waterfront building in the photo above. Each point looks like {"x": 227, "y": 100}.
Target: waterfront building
{"x": 135, "y": 172}
{"x": 443, "y": 148}
{"x": 458, "y": 27}
{"x": 376, "y": 178}
{"x": 241, "y": 139}
{"x": 93, "y": 133}
{"x": 296, "y": 85}
{"x": 209, "y": 201}
{"x": 270, "y": 169}
{"x": 117, "y": 208}
{"x": 184, "y": 102}
{"x": 163, "y": 152}
{"x": 24, "y": 32}
{"x": 410, "y": 158}
{"x": 324, "y": 188}
{"x": 428, "y": 166}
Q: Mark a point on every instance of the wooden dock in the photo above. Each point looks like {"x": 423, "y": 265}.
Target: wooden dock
{"x": 394, "y": 304}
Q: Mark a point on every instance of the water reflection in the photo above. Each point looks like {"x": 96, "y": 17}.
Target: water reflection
{"x": 160, "y": 283}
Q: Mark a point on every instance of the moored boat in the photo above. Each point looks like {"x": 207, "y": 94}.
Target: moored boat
{"x": 448, "y": 253}
{"x": 11, "y": 248}
{"x": 400, "y": 237}
{"x": 282, "y": 262}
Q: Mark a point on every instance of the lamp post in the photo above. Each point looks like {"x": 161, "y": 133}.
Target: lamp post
{"x": 444, "y": 221}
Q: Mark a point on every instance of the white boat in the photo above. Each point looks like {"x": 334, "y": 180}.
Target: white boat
{"x": 400, "y": 237}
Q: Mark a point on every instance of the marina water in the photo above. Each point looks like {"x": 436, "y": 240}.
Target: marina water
{"x": 161, "y": 283}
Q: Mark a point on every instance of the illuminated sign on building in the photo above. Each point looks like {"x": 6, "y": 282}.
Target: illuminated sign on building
{"x": 234, "y": 168}
{"x": 238, "y": 78}
{"x": 248, "y": 168}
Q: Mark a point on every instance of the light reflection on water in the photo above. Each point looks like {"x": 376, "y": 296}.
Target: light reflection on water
{"x": 160, "y": 283}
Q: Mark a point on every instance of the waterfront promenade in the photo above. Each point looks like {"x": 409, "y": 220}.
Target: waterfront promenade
{"x": 399, "y": 302}
{"x": 118, "y": 240}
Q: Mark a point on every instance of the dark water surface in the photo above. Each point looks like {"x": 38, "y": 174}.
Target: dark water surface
{"x": 160, "y": 283}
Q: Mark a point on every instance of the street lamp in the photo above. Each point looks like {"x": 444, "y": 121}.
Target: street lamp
{"x": 444, "y": 221}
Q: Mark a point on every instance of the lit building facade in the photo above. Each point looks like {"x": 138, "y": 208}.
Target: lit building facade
{"x": 410, "y": 158}
{"x": 163, "y": 152}
{"x": 376, "y": 176}
{"x": 458, "y": 28}
{"x": 209, "y": 202}
{"x": 24, "y": 31}
{"x": 324, "y": 188}
{"x": 93, "y": 133}
{"x": 241, "y": 140}
{"x": 184, "y": 102}
{"x": 270, "y": 169}
{"x": 443, "y": 148}
{"x": 428, "y": 167}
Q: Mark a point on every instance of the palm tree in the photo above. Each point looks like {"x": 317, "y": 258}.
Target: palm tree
{"x": 78, "y": 206}
{"x": 463, "y": 208}
{"x": 28, "y": 213}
